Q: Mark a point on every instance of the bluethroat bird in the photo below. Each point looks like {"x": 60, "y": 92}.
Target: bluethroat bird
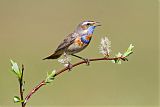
{"x": 76, "y": 41}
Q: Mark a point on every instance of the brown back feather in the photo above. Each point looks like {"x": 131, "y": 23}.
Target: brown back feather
{"x": 62, "y": 47}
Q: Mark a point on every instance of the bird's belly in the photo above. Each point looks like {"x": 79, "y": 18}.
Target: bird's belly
{"x": 75, "y": 48}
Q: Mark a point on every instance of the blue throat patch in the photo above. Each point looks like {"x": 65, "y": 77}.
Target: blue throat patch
{"x": 91, "y": 29}
{"x": 84, "y": 40}
{"x": 90, "y": 32}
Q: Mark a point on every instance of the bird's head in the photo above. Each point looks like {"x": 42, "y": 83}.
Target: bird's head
{"x": 87, "y": 27}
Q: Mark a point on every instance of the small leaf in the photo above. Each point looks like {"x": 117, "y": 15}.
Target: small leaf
{"x": 118, "y": 60}
{"x": 119, "y": 57}
{"x": 124, "y": 59}
{"x": 16, "y": 99}
{"x": 50, "y": 77}
{"x": 16, "y": 69}
{"x": 129, "y": 51}
{"x": 131, "y": 47}
{"x": 113, "y": 61}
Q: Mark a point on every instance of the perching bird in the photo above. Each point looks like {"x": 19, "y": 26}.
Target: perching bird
{"x": 76, "y": 41}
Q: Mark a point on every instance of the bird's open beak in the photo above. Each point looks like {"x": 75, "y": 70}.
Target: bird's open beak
{"x": 97, "y": 24}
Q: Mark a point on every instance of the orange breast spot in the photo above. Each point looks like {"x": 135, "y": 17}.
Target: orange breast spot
{"x": 88, "y": 37}
{"x": 78, "y": 41}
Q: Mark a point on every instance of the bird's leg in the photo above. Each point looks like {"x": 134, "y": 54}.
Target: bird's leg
{"x": 86, "y": 60}
{"x": 69, "y": 65}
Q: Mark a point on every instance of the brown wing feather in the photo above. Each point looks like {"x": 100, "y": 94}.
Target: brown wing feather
{"x": 66, "y": 42}
{"x": 63, "y": 46}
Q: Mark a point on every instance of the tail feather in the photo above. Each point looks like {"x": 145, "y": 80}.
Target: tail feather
{"x": 53, "y": 56}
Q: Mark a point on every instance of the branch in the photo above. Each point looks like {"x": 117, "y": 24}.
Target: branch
{"x": 21, "y": 85}
{"x": 104, "y": 49}
{"x": 91, "y": 60}
{"x": 33, "y": 91}
{"x": 42, "y": 83}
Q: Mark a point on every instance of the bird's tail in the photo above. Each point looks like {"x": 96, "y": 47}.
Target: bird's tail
{"x": 54, "y": 56}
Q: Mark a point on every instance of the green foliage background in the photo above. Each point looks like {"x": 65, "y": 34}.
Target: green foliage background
{"x": 31, "y": 29}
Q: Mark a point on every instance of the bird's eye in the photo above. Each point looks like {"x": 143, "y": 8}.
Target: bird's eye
{"x": 88, "y": 24}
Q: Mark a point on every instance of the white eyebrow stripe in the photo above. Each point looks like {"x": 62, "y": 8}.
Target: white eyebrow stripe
{"x": 84, "y": 23}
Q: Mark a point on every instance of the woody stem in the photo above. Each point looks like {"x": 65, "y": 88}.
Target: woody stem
{"x": 42, "y": 83}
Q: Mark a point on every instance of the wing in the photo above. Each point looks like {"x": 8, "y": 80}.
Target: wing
{"x": 63, "y": 46}
{"x": 67, "y": 42}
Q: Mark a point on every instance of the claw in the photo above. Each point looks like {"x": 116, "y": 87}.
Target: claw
{"x": 70, "y": 66}
{"x": 87, "y": 61}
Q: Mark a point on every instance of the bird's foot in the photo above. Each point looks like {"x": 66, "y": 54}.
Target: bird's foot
{"x": 69, "y": 66}
{"x": 87, "y": 61}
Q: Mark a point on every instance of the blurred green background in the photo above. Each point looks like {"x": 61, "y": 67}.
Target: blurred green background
{"x": 31, "y": 30}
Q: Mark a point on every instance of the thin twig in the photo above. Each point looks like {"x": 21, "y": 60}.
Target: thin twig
{"x": 21, "y": 86}
{"x": 33, "y": 91}
{"x": 91, "y": 60}
{"x": 42, "y": 83}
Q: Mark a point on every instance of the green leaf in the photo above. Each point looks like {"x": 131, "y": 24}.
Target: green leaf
{"x": 16, "y": 69}
{"x": 113, "y": 61}
{"x": 16, "y": 99}
{"x": 118, "y": 60}
{"x": 129, "y": 51}
{"x": 50, "y": 77}
{"x": 121, "y": 57}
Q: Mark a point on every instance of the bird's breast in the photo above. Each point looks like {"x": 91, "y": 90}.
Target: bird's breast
{"x": 86, "y": 38}
{"x": 76, "y": 47}
{"x": 78, "y": 41}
